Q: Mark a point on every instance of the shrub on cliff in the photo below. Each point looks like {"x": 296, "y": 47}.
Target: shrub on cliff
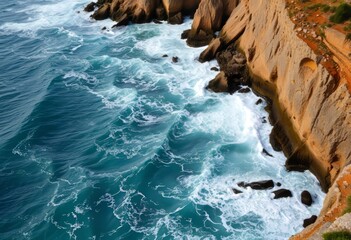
{"x": 337, "y": 236}
{"x": 342, "y": 13}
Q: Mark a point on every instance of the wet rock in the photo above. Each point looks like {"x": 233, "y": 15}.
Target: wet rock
{"x": 175, "y": 59}
{"x": 176, "y": 19}
{"x": 236, "y": 191}
{"x": 309, "y": 221}
{"x": 244, "y": 90}
{"x": 103, "y": 29}
{"x": 185, "y": 34}
{"x": 102, "y": 13}
{"x": 122, "y": 21}
{"x": 90, "y": 7}
{"x": 239, "y": 58}
{"x": 199, "y": 39}
{"x": 216, "y": 69}
{"x": 279, "y": 184}
{"x": 165, "y": 55}
{"x": 306, "y": 198}
{"x": 282, "y": 193}
{"x": 161, "y": 13}
{"x": 264, "y": 151}
{"x": 210, "y": 52}
{"x": 259, "y": 101}
{"x": 219, "y": 83}
{"x": 157, "y": 21}
{"x": 260, "y": 185}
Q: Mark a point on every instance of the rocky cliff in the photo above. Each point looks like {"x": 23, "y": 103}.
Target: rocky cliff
{"x": 310, "y": 106}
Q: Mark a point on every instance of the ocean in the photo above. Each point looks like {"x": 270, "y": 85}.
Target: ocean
{"x": 101, "y": 137}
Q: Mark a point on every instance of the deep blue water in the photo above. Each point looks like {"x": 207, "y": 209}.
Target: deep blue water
{"x": 103, "y": 138}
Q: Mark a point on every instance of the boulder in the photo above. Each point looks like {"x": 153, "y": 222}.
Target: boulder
{"x": 306, "y": 198}
{"x": 173, "y": 7}
{"x": 309, "y": 221}
{"x": 102, "y": 13}
{"x": 282, "y": 193}
{"x": 219, "y": 84}
{"x": 90, "y": 7}
{"x": 260, "y": 185}
{"x": 236, "y": 191}
{"x": 199, "y": 39}
{"x": 210, "y": 52}
{"x": 175, "y": 59}
{"x": 216, "y": 69}
{"x": 122, "y": 21}
{"x": 185, "y": 34}
{"x": 176, "y": 19}
{"x": 139, "y": 11}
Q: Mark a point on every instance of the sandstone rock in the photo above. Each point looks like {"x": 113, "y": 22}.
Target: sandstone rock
{"x": 219, "y": 84}
{"x": 122, "y": 21}
{"x": 199, "y": 39}
{"x": 210, "y": 52}
{"x": 102, "y": 13}
{"x": 309, "y": 221}
{"x": 282, "y": 193}
{"x": 306, "y": 198}
{"x": 261, "y": 185}
{"x": 161, "y": 13}
{"x": 90, "y": 7}
{"x": 208, "y": 16}
{"x": 176, "y": 19}
{"x": 139, "y": 11}
{"x": 185, "y": 34}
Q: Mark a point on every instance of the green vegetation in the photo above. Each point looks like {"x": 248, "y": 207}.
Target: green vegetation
{"x": 337, "y": 236}
{"x": 342, "y": 13}
{"x": 348, "y": 201}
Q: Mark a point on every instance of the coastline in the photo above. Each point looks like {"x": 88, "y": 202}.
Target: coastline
{"x": 308, "y": 107}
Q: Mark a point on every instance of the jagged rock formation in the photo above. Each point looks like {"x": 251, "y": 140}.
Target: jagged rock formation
{"x": 311, "y": 109}
{"x": 141, "y": 11}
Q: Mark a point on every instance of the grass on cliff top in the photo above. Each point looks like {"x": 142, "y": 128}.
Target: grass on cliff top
{"x": 337, "y": 236}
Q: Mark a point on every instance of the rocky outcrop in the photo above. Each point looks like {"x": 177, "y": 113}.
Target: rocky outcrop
{"x": 140, "y": 11}
{"x": 311, "y": 110}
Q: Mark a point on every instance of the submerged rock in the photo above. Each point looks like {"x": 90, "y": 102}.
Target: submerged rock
{"x": 175, "y": 59}
{"x": 282, "y": 193}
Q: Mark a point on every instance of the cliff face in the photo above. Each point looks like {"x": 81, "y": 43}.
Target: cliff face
{"x": 315, "y": 105}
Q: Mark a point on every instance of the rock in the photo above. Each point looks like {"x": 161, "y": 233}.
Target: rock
{"x": 208, "y": 17}
{"x": 122, "y": 21}
{"x": 259, "y": 101}
{"x": 140, "y": 11}
{"x": 309, "y": 221}
{"x": 219, "y": 84}
{"x": 176, "y": 19}
{"x": 279, "y": 184}
{"x": 175, "y": 59}
{"x": 282, "y": 193}
{"x": 306, "y": 198}
{"x": 216, "y": 69}
{"x": 260, "y": 185}
{"x": 244, "y": 90}
{"x": 173, "y": 7}
{"x": 236, "y": 191}
{"x": 103, "y": 29}
{"x": 240, "y": 59}
{"x": 185, "y": 34}
{"x": 264, "y": 151}
{"x": 157, "y": 21}
{"x": 90, "y": 7}
{"x": 210, "y": 52}
{"x": 165, "y": 55}
{"x": 199, "y": 39}
{"x": 102, "y": 13}
{"x": 161, "y": 13}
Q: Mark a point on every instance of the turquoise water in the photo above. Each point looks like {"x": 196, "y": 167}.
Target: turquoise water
{"x": 103, "y": 138}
